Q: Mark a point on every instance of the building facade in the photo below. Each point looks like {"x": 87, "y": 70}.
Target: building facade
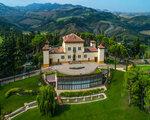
{"x": 72, "y": 50}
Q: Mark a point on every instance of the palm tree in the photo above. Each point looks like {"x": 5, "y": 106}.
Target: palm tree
{"x": 46, "y": 100}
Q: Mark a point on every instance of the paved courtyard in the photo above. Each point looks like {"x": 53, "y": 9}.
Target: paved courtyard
{"x": 65, "y": 68}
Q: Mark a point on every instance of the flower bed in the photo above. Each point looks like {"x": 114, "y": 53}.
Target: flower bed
{"x": 76, "y": 68}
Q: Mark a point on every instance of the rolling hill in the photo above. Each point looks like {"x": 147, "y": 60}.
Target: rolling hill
{"x": 74, "y": 18}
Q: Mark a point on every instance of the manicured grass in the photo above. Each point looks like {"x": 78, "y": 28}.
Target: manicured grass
{"x": 115, "y": 107}
{"x": 15, "y": 101}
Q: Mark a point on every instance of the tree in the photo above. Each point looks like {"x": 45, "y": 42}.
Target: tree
{"x": 38, "y": 41}
{"x": 119, "y": 51}
{"x": 114, "y": 50}
{"x": 87, "y": 37}
{"x": 37, "y": 59}
{"x": 135, "y": 49}
{"x": 138, "y": 84}
{"x": 53, "y": 38}
{"x": 46, "y": 100}
{"x": 147, "y": 99}
{"x": 124, "y": 54}
{"x": 142, "y": 50}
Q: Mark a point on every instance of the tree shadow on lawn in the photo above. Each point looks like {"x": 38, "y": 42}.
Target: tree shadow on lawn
{"x": 61, "y": 108}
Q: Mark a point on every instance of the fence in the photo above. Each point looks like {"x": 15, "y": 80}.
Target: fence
{"x": 22, "y": 76}
{"x": 26, "y": 107}
{"x": 83, "y": 99}
{"x": 18, "y": 77}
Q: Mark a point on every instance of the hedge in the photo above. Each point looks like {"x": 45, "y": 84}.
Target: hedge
{"x": 81, "y": 93}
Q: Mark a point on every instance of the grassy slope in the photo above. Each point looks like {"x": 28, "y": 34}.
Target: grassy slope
{"x": 14, "y": 102}
{"x": 115, "y": 107}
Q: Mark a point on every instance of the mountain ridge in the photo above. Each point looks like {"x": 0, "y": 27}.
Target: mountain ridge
{"x": 69, "y": 18}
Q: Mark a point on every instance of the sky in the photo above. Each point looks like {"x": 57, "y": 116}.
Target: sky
{"x": 112, "y": 5}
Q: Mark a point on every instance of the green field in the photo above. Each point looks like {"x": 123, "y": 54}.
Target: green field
{"x": 13, "y": 102}
{"x": 115, "y": 107}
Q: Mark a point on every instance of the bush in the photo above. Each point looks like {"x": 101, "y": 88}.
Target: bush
{"x": 50, "y": 73}
{"x": 29, "y": 92}
{"x": 12, "y": 92}
{"x": 98, "y": 70}
{"x": 81, "y": 93}
{"x": 19, "y": 91}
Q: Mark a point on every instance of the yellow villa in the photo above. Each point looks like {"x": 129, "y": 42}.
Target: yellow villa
{"x": 72, "y": 50}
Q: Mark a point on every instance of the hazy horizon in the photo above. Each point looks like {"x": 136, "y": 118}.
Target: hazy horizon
{"x": 114, "y": 5}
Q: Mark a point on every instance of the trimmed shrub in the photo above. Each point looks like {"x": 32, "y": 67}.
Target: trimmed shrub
{"x": 98, "y": 70}
{"x": 50, "y": 73}
{"x": 29, "y": 92}
{"x": 82, "y": 93}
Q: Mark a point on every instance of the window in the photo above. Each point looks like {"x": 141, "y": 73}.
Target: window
{"x": 79, "y": 56}
{"x": 85, "y": 56}
{"x": 69, "y": 56}
{"x": 74, "y": 49}
{"x": 69, "y": 48}
{"x": 79, "y": 48}
{"x": 62, "y": 57}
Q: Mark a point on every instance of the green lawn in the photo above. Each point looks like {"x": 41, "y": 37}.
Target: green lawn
{"x": 115, "y": 107}
{"x": 14, "y": 102}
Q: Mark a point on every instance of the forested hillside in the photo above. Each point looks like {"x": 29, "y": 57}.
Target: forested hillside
{"x": 69, "y": 18}
{"x": 24, "y": 31}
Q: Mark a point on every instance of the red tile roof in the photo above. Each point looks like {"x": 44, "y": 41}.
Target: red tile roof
{"x": 57, "y": 50}
{"x": 101, "y": 46}
{"x": 91, "y": 49}
{"x": 72, "y": 38}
